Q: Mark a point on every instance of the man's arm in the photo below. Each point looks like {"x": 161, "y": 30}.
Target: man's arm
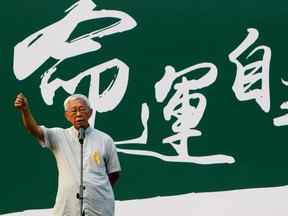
{"x": 113, "y": 177}
{"x": 112, "y": 161}
{"x": 21, "y": 103}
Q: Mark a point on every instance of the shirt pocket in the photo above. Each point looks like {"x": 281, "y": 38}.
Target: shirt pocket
{"x": 97, "y": 163}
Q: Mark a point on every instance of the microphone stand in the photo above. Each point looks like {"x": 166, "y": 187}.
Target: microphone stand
{"x": 82, "y": 187}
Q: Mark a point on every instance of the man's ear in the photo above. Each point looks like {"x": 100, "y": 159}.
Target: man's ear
{"x": 66, "y": 115}
{"x": 90, "y": 112}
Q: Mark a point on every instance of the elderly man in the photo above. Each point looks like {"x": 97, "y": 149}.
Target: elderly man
{"x": 101, "y": 163}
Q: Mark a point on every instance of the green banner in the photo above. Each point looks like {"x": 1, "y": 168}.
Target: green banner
{"x": 193, "y": 93}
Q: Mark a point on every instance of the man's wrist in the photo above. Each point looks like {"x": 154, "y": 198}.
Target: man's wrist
{"x": 25, "y": 110}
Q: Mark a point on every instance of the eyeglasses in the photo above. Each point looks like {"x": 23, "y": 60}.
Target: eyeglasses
{"x": 80, "y": 109}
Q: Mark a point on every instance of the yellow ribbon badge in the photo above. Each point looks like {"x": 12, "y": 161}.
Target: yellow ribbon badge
{"x": 96, "y": 157}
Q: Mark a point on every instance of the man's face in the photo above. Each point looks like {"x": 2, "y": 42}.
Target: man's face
{"x": 78, "y": 113}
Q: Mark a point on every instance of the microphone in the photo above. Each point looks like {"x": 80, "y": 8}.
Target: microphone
{"x": 81, "y": 135}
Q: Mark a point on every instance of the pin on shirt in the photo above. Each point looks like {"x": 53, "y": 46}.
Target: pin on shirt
{"x": 96, "y": 157}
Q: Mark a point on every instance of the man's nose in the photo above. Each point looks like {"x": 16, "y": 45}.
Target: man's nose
{"x": 78, "y": 113}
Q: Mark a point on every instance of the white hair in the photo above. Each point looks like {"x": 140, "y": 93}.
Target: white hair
{"x": 76, "y": 97}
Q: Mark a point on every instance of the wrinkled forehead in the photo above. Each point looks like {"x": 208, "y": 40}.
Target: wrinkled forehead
{"x": 77, "y": 102}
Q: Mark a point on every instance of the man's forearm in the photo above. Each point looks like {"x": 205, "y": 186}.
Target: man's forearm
{"x": 30, "y": 124}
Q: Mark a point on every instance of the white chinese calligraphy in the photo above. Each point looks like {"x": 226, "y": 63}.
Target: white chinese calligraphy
{"x": 53, "y": 41}
{"x": 250, "y": 74}
{"x": 282, "y": 120}
{"x": 142, "y": 139}
{"x": 188, "y": 116}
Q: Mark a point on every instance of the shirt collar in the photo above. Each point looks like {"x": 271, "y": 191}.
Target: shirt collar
{"x": 75, "y": 131}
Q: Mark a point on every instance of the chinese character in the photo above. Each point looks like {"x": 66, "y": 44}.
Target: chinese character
{"x": 188, "y": 116}
{"x": 53, "y": 41}
{"x": 282, "y": 120}
{"x": 248, "y": 76}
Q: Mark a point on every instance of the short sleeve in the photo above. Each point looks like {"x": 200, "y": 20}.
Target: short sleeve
{"x": 113, "y": 163}
{"x": 49, "y": 137}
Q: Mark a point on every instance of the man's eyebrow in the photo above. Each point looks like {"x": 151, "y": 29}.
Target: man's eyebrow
{"x": 82, "y": 106}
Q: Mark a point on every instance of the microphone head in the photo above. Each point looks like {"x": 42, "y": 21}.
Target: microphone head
{"x": 81, "y": 135}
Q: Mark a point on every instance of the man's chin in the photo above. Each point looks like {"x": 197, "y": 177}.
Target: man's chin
{"x": 76, "y": 127}
{"x": 79, "y": 126}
